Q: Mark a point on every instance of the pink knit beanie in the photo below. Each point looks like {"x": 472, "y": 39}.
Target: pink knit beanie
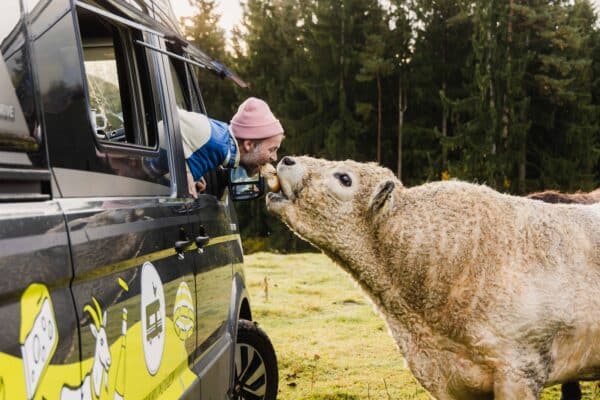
{"x": 254, "y": 120}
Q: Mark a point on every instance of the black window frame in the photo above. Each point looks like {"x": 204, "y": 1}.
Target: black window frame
{"x": 196, "y": 93}
{"x": 176, "y": 67}
{"x": 184, "y": 64}
{"x": 144, "y": 116}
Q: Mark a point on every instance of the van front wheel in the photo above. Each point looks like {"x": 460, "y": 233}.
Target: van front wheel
{"x": 256, "y": 374}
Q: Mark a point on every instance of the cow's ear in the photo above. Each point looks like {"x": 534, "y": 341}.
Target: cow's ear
{"x": 381, "y": 196}
{"x": 94, "y": 330}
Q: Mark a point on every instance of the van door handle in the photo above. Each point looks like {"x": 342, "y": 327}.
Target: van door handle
{"x": 181, "y": 245}
{"x": 202, "y": 241}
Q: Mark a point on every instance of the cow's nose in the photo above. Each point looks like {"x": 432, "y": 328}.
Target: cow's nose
{"x": 288, "y": 161}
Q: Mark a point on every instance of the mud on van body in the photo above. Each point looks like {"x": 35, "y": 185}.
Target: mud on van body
{"x": 115, "y": 283}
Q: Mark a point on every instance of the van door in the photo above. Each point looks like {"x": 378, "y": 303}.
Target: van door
{"x": 38, "y": 334}
{"x": 134, "y": 293}
{"x": 210, "y": 218}
{"x": 134, "y": 289}
{"x": 39, "y": 342}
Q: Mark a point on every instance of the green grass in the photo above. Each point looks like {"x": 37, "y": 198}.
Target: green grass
{"x": 330, "y": 343}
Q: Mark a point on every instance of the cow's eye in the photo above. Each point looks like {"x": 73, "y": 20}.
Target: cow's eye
{"x": 344, "y": 179}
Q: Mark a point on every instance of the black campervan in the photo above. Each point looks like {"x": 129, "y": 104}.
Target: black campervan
{"x": 115, "y": 283}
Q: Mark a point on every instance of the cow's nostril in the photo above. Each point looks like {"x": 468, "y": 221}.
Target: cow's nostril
{"x": 288, "y": 161}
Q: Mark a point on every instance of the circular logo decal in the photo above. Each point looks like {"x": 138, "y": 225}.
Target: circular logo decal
{"x": 183, "y": 312}
{"x": 153, "y": 317}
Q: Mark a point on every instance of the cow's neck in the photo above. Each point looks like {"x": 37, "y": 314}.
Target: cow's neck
{"x": 370, "y": 269}
{"x": 373, "y": 277}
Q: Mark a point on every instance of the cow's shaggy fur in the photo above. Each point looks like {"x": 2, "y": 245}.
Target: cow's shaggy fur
{"x": 569, "y": 390}
{"x": 487, "y": 295}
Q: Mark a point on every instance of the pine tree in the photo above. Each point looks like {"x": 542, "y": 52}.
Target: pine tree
{"x": 203, "y": 30}
{"x": 269, "y": 54}
{"x": 563, "y": 124}
{"x": 398, "y": 40}
{"x": 437, "y": 72}
{"x": 375, "y": 67}
{"x": 594, "y": 44}
{"x": 496, "y": 136}
{"x": 529, "y": 113}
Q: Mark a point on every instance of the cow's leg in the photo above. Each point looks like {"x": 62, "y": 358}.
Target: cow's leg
{"x": 508, "y": 386}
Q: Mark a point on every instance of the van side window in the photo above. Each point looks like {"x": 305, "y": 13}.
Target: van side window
{"x": 180, "y": 98}
{"x": 133, "y": 162}
{"x": 118, "y": 106}
{"x": 186, "y": 91}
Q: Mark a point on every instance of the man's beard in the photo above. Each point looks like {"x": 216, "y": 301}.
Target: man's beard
{"x": 251, "y": 162}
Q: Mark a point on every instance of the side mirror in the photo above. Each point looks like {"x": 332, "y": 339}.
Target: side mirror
{"x": 243, "y": 187}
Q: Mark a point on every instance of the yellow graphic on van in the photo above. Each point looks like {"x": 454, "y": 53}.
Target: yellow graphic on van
{"x": 105, "y": 378}
{"x": 123, "y": 284}
{"x": 38, "y": 335}
{"x": 183, "y": 312}
{"x": 91, "y": 385}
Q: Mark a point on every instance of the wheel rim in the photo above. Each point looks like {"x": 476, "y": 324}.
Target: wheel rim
{"x": 250, "y": 373}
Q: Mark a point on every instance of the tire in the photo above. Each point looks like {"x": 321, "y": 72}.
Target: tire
{"x": 256, "y": 373}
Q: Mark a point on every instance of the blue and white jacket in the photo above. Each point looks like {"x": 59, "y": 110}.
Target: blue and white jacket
{"x": 207, "y": 143}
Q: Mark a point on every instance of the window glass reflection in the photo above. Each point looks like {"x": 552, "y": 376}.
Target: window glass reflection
{"x": 17, "y": 110}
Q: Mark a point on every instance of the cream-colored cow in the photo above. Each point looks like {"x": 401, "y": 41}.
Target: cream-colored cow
{"x": 486, "y": 294}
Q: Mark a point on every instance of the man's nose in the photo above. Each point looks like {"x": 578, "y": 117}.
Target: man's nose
{"x": 274, "y": 157}
{"x": 289, "y": 161}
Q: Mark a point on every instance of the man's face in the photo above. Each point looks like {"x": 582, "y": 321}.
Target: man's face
{"x": 256, "y": 153}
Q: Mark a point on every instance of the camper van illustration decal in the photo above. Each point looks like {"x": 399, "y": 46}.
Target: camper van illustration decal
{"x": 153, "y": 317}
{"x": 154, "y": 323}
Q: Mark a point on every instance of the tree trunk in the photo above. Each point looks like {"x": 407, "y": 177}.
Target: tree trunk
{"x": 444, "y": 131}
{"x": 444, "y": 85}
{"x": 507, "y": 96}
{"x": 401, "y": 110}
{"x": 523, "y": 155}
{"x": 522, "y": 168}
{"x": 342, "y": 91}
{"x": 378, "y": 119}
{"x": 492, "y": 79}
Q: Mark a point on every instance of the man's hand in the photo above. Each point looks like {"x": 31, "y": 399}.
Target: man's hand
{"x": 201, "y": 185}
{"x": 195, "y": 187}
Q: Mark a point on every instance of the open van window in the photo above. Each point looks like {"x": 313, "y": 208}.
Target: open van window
{"x": 119, "y": 96}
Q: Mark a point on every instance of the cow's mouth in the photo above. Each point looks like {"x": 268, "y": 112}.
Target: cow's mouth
{"x": 285, "y": 195}
{"x": 276, "y": 197}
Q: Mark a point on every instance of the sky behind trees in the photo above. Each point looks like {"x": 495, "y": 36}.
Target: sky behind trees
{"x": 231, "y": 11}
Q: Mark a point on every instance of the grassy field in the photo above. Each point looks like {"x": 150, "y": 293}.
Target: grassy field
{"x": 330, "y": 343}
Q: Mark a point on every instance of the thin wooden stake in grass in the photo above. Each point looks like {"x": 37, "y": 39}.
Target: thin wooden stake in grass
{"x": 386, "y": 390}
{"x": 314, "y": 367}
{"x": 266, "y": 289}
